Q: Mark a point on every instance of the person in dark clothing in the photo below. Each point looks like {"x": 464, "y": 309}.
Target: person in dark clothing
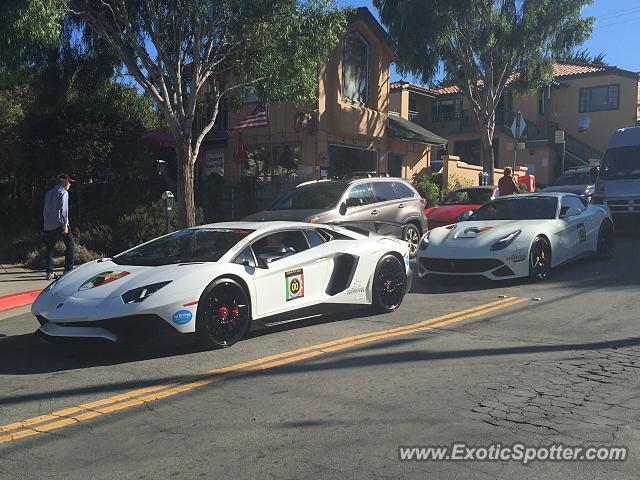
{"x": 56, "y": 223}
{"x": 507, "y": 184}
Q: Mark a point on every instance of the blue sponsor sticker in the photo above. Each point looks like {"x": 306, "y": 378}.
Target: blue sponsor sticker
{"x": 182, "y": 316}
{"x": 407, "y": 260}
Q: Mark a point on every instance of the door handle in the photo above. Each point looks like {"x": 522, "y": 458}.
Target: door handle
{"x": 321, "y": 259}
{"x": 374, "y": 212}
{"x": 401, "y": 205}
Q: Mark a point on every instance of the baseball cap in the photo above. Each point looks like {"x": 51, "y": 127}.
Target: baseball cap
{"x": 67, "y": 177}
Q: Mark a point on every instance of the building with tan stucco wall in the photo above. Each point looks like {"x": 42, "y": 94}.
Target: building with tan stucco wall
{"x": 604, "y": 98}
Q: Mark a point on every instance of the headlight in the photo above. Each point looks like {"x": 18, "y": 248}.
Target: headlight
{"x": 424, "y": 241}
{"x": 137, "y": 295}
{"x": 505, "y": 241}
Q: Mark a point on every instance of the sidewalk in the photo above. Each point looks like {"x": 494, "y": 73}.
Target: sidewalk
{"x": 19, "y": 286}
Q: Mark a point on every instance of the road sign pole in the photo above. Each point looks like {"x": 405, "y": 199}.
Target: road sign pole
{"x": 515, "y": 155}
{"x": 564, "y": 150}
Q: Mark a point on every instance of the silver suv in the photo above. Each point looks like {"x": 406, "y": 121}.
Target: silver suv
{"x": 386, "y": 205}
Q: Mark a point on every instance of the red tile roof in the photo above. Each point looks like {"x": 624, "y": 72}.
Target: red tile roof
{"x": 561, "y": 70}
{"x": 569, "y": 69}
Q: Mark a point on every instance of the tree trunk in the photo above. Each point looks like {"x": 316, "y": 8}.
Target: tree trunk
{"x": 486, "y": 143}
{"x": 185, "y": 202}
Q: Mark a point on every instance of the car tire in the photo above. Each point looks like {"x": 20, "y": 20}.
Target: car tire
{"x": 389, "y": 284}
{"x": 539, "y": 259}
{"x": 605, "y": 240}
{"x": 224, "y": 314}
{"x": 411, "y": 235}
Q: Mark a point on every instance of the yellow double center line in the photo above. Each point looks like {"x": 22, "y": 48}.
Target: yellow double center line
{"x": 86, "y": 411}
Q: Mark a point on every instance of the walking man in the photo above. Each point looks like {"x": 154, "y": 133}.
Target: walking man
{"x": 507, "y": 184}
{"x": 56, "y": 222}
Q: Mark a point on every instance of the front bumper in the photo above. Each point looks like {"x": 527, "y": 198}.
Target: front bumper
{"x": 505, "y": 265}
{"x": 114, "y": 330}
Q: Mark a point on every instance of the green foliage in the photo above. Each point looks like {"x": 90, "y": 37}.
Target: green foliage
{"x": 427, "y": 189}
{"x": 457, "y": 183}
{"x": 26, "y": 28}
{"x": 583, "y": 55}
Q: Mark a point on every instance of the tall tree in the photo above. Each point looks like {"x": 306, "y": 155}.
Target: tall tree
{"x": 481, "y": 44}
{"x": 177, "y": 50}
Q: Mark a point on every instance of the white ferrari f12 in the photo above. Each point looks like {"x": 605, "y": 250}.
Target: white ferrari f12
{"x": 215, "y": 279}
{"x": 518, "y": 236}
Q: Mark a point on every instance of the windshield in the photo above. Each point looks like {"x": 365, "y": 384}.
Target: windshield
{"x": 532, "y": 208}
{"x": 476, "y": 196}
{"x": 315, "y": 196}
{"x": 576, "y": 178}
{"x": 190, "y": 245}
{"x": 619, "y": 163}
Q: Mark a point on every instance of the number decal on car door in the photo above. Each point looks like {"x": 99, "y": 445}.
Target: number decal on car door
{"x": 582, "y": 233}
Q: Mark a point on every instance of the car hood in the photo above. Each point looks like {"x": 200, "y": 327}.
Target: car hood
{"x": 577, "y": 189}
{"x": 618, "y": 188}
{"x": 103, "y": 278}
{"x": 475, "y": 234}
{"x": 287, "y": 215}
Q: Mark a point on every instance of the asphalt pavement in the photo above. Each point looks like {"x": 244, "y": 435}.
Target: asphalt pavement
{"x": 335, "y": 396}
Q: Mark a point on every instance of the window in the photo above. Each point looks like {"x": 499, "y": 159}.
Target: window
{"x": 277, "y": 159}
{"x": 571, "y": 202}
{"x": 598, "y": 99}
{"x": 314, "y": 238}
{"x": 384, "y": 191}
{"x": 245, "y": 257}
{"x": 355, "y": 69}
{"x": 446, "y": 110}
{"x": 251, "y": 95}
{"x": 360, "y": 195}
{"x": 403, "y": 191}
{"x": 281, "y": 244}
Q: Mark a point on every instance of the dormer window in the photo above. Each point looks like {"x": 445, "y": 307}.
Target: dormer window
{"x": 355, "y": 69}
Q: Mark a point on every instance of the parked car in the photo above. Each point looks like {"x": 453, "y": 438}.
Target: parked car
{"x": 578, "y": 181}
{"x": 618, "y": 184}
{"x": 383, "y": 205}
{"x": 456, "y": 203}
{"x": 518, "y": 236}
{"x": 215, "y": 280}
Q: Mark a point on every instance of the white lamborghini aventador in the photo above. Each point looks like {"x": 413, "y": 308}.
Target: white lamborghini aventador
{"x": 215, "y": 279}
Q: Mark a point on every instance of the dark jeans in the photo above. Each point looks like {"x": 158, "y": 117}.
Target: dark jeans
{"x": 50, "y": 239}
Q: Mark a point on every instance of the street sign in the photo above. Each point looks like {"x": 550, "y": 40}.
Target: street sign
{"x": 518, "y": 126}
{"x": 559, "y": 138}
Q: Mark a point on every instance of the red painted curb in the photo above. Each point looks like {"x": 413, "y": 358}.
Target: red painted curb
{"x": 18, "y": 299}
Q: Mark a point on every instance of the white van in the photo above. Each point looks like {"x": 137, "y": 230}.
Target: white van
{"x": 618, "y": 184}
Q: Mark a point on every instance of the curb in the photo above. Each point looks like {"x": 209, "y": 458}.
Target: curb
{"x": 16, "y": 300}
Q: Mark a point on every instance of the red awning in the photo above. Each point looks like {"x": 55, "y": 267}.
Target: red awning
{"x": 158, "y": 139}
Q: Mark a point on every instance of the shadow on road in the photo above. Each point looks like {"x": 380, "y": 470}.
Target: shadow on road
{"x": 366, "y": 356}
{"x": 27, "y": 355}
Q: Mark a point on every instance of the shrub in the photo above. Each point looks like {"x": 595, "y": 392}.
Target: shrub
{"x": 427, "y": 189}
{"x": 36, "y": 258}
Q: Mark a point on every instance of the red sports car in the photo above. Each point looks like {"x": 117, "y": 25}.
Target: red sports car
{"x": 457, "y": 202}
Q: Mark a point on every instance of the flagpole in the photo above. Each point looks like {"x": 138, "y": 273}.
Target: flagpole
{"x": 266, "y": 107}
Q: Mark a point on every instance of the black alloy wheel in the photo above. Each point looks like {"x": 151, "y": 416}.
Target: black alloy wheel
{"x": 605, "y": 240}
{"x": 389, "y": 284}
{"x": 224, "y": 314}
{"x": 540, "y": 259}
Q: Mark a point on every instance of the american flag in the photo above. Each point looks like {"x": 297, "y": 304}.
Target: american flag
{"x": 257, "y": 118}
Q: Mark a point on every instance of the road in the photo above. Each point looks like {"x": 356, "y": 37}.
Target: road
{"x": 554, "y": 362}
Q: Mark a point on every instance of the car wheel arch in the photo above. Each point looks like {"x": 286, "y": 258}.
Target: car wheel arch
{"x": 240, "y": 282}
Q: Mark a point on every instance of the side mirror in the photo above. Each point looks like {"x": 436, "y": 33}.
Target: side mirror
{"x": 571, "y": 212}
{"x": 263, "y": 261}
{"x": 342, "y": 210}
{"x": 464, "y": 216}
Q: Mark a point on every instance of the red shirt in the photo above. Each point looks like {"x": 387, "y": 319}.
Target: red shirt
{"x": 507, "y": 186}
